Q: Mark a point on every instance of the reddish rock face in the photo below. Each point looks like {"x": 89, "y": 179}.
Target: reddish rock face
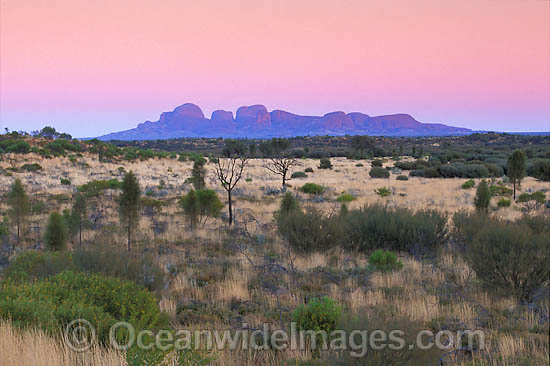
{"x": 337, "y": 120}
{"x": 254, "y": 115}
{"x": 393, "y": 121}
{"x": 222, "y": 116}
{"x": 255, "y": 121}
{"x": 188, "y": 110}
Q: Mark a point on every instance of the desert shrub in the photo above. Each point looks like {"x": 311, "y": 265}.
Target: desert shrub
{"x": 405, "y": 165}
{"x": 416, "y": 173}
{"x": 325, "y": 163}
{"x": 34, "y": 167}
{"x": 468, "y": 184}
{"x": 533, "y": 200}
{"x": 500, "y": 190}
{"x": 312, "y": 188}
{"x": 65, "y": 182}
{"x": 201, "y": 204}
{"x": 503, "y": 202}
{"x": 386, "y": 355}
{"x": 15, "y": 146}
{"x": 483, "y": 197}
{"x": 509, "y": 257}
{"x": 309, "y": 170}
{"x": 402, "y": 177}
{"x": 378, "y": 172}
{"x": 383, "y": 260}
{"x": 398, "y": 229}
{"x": 136, "y": 356}
{"x": 138, "y": 268}
{"x": 289, "y": 203}
{"x": 494, "y": 170}
{"x": 52, "y": 302}
{"x": 95, "y": 188}
{"x": 474, "y": 171}
{"x": 539, "y": 169}
{"x": 318, "y": 315}
{"x": 431, "y": 172}
{"x": 56, "y": 234}
{"x": 448, "y": 171}
{"x": 383, "y": 191}
{"x": 298, "y": 175}
{"x": 309, "y": 231}
{"x": 377, "y": 162}
{"x": 346, "y": 197}
{"x": 359, "y": 165}
{"x": 33, "y": 265}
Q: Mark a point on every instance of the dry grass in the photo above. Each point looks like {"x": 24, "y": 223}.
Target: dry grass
{"x": 415, "y": 292}
{"x": 32, "y": 348}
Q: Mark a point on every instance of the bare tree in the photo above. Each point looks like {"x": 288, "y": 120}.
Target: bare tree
{"x": 278, "y": 162}
{"x": 281, "y": 166}
{"x": 229, "y": 170}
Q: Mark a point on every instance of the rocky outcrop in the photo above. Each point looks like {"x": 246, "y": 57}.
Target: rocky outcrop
{"x": 255, "y": 121}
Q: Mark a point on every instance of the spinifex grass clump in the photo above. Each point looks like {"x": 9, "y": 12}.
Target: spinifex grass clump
{"x": 312, "y": 188}
{"x": 383, "y": 260}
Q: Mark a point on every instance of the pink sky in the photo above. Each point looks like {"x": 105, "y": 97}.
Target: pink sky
{"x": 92, "y": 67}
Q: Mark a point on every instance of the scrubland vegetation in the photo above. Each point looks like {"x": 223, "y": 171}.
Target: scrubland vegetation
{"x": 236, "y": 238}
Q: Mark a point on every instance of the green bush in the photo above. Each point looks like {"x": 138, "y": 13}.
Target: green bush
{"x": 325, "y": 163}
{"x": 509, "y": 257}
{"x": 483, "y": 197}
{"x": 431, "y": 173}
{"x": 33, "y": 265}
{"x": 377, "y": 162}
{"x": 298, "y": 175}
{"x": 385, "y": 261}
{"x": 382, "y": 191}
{"x": 289, "y": 203}
{"x": 540, "y": 169}
{"x": 346, "y": 197}
{"x": 378, "y": 172}
{"x": 397, "y": 229}
{"x": 65, "y": 182}
{"x": 372, "y": 227}
{"x": 52, "y": 302}
{"x": 308, "y": 170}
{"x": 34, "y": 167}
{"x": 312, "y": 188}
{"x": 56, "y": 233}
{"x": 309, "y": 231}
{"x": 201, "y": 204}
{"x": 318, "y": 315}
{"x": 402, "y": 177}
{"x": 468, "y": 184}
{"x": 532, "y": 201}
{"x": 503, "y": 202}
{"x": 500, "y": 190}
{"x": 138, "y": 268}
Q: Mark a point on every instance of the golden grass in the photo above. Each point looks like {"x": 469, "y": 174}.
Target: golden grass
{"x": 33, "y": 348}
{"x": 411, "y": 292}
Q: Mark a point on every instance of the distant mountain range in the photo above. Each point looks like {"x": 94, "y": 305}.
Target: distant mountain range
{"x": 255, "y": 121}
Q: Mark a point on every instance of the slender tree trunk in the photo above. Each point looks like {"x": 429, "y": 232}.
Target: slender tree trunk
{"x": 514, "y": 182}
{"x": 230, "y": 208}
{"x": 284, "y": 179}
{"x": 129, "y": 230}
{"x": 18, "y": 231}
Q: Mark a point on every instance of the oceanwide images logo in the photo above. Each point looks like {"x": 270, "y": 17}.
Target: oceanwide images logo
{"x": 80, "y": 335}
